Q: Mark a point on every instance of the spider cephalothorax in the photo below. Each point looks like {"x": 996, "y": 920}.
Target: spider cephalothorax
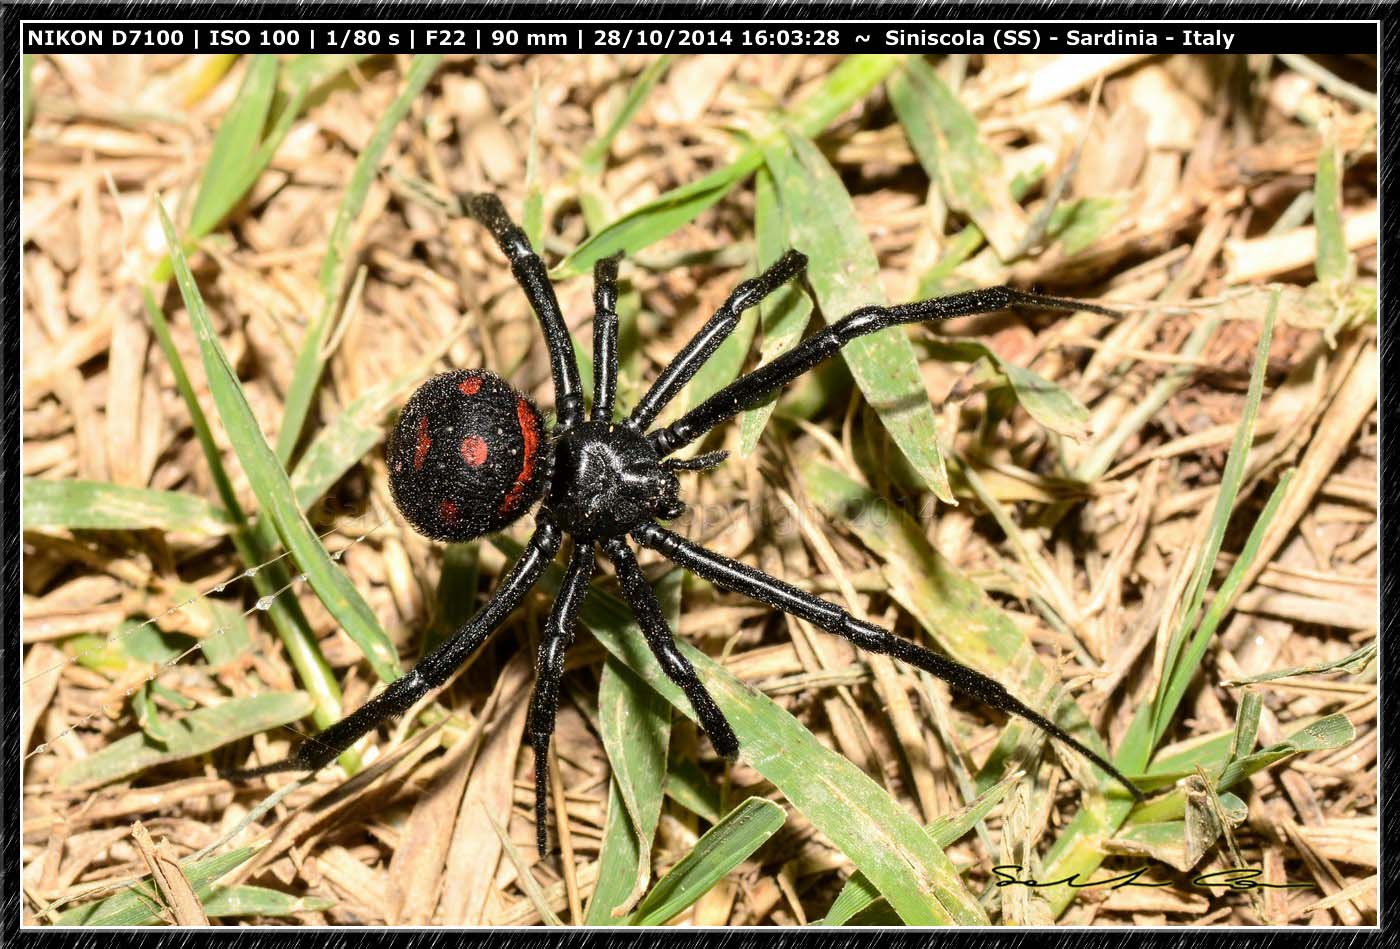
{"x": 470, "y": 455}
{"x": 609, "y": 482}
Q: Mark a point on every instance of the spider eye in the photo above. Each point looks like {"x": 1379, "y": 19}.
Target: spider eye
{"x": 467, "y": 456}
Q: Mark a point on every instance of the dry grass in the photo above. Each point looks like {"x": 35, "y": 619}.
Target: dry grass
{"x": 1207, "y": 180}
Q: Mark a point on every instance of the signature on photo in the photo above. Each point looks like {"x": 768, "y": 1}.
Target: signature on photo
{"x": 1235, "y": 878}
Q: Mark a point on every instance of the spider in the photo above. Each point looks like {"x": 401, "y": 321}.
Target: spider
{"x": 470, "y": 455}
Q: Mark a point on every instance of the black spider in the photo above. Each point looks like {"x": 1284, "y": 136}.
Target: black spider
{"x": 470, "y": 455}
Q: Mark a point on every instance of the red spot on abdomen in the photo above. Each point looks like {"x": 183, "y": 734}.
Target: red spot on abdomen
{"x": 470, "y": 385}
{"x": 420, "y": 451}
{"x": 448, "y": 511}
{"x": 474, "y": 450}
{"x": 530, "y": 440}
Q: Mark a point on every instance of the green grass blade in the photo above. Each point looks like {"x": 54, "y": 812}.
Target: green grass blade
{"x": 618, "y": 860}
{"x": 202, "y": 730}
{"x": 784, "y": 314}
{"x": 1325, "y": 734}
{"x": 366, "y": 167}
{"x": 139, "y": 905}
{"x": 593, "y": 159}
{"x": 26, "y": 92}
{"x": 144, "y": 641}
{"x": 594, "y": 156}
{"x": 1182, "y": 843}
{"x": 253, "y": 169}
{"x": 1050, "y": 405}
{"x": 94, "y": 652}
{"x": 455, "y": 596}
{"x": 718, "y": 851}
{"x": 840, "y": 800}
{"x": 231, "y": 639}
{"x": 848, "y": 83}
{"x": 154, "y": 725}
{"x": 246, "y": 900}
{"x": 1176, "y": 674}
{"x": 345, "y": 440}
{"x": 1220, "y": 605}
{"x": 309, "y": 363}
{"x": 1200, "y": 751}
{"x": 532, "y": 216}
{"x": 143, "y": 706}
{"x": 635, "y": 724}
{"x": 237, "y": 157}
{"x": 314, "y": 70}
{"x": 238, "y": 160}
{"x": 136, "y": 642}
{"x": 255, "y": 547}
{"x": 202, "y": 432}
{"x": 692, "y": 789}
{"x": 1333, "y": 261}
{"x": 239, "y": 133}
{"x": 858, "y": 894}
{"x": 1078, "y": 224}
{"x": 1246, "y": 724}
{"x": 101, "y": 505}
{"x": 845, "y": 276}
{"x": 149, "y": 644}
{"x": 271, "y": 484}
{"x": 657, "y": 218}
{"x": 1354, "y": 663}
{"x": 944, "y": 136}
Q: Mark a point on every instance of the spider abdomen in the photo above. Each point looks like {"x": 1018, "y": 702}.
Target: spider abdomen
{"x": 467, "y": 457}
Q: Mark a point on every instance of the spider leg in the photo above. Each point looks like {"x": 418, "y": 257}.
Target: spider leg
{"x": 741, "y": 578}
{"x": 751, "y": 390}
{"x": 549, "y": 669}
{"x": 638, "y": 593}
{"x": 703, "y": 345}
{"x": 530, "y": 273}
{"x": 605, "y": 338}
{"x": 432, "y": 670}
{"x": 711, "y": 459}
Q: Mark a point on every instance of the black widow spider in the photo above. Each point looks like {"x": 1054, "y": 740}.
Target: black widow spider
{"x": 470, "y": 455}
